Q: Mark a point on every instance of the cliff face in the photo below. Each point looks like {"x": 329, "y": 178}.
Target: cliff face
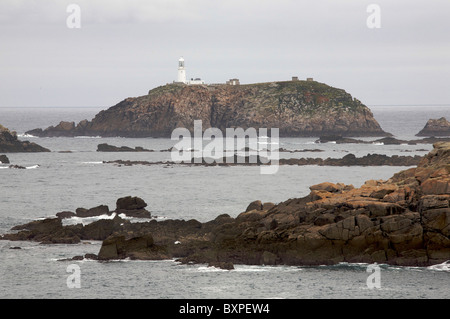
{"x": 297, "y": 108}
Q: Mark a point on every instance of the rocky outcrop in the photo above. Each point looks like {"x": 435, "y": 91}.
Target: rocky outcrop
{"x": 133, "y": 207}
{"x": 347, "y": 160}
{"x": 63, "y": 129}
{"x": 4, "y": 159}
{"x": 436, "y": 127}
{"x": 139, "y": 247}
{"x": 401, "y": 221}
{"x": 297, "y": 108}
{"x": 129, "y": 206}
{"x": 338, "y": 139}
{"x": 104, "y": 147}
{"x": 10, "y": 144}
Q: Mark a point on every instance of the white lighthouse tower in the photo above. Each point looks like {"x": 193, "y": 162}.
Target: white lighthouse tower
{"x": 181, "y": 71}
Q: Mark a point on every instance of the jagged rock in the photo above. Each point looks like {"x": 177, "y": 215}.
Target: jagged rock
{"x": 436, "y": 127}
{"x": 10, "y": 144}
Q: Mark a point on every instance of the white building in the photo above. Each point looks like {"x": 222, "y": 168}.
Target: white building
{"x": 196, "y": 81}
{"x": 182, "y": 75}
{"x": 181, "y": 71}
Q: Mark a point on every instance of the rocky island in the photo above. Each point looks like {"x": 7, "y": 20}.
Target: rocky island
{"x": 297, "y": 108}
{"x": 404, "y": 220}
{"x": 436, "y": 127}
{"x": 9, "y": 143}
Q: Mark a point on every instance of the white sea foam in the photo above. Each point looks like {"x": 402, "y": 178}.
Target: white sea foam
{"x": 97, "y": 162}
{"x": 87, "y": 137}
{"x": 445, "y": 266}
{"x": 26, "y": 136}
{"x": 87, "y": 220}
{"x": 33, "y": 167}
{"x": 265, "y": 143}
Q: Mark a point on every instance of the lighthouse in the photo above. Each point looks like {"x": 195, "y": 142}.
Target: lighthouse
{"x": 181, "y": 71}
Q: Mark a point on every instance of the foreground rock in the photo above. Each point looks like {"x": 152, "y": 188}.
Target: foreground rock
{"x": 10, "y": 144}
{"x": 436, "y": 127}
{"x": 402, "y": 221}
{"x": 297, "y": 108}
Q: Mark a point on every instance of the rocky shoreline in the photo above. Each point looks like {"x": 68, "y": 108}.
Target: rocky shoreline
{"x": 402, "y": 221}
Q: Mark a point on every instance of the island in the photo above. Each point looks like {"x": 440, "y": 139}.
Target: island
{"x": 296, "y": 108}
{"x": 436, "y": 127}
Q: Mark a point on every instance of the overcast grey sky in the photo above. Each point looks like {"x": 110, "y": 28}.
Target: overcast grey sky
{"x": 126, "y": 47}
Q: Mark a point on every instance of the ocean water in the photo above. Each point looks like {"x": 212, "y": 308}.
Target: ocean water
{"x": 73, "y": 175}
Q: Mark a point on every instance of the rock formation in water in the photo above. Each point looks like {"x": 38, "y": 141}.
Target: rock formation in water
{"x": 10, "y": 144}
{"x": 104, "y": 147}
{"x": 339, "y": 139}
{"x": 297, "y": 108}
{"x": 439, "y": 127}
{"x": 4, "y": 159}
{"x": 402, "y": 221}
{"x": 256, "y": 160}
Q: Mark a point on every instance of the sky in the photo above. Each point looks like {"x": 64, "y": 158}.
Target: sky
{"x": 124, "y": 48}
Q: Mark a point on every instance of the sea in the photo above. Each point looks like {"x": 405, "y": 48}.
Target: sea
{"x": 74, "y": 175}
